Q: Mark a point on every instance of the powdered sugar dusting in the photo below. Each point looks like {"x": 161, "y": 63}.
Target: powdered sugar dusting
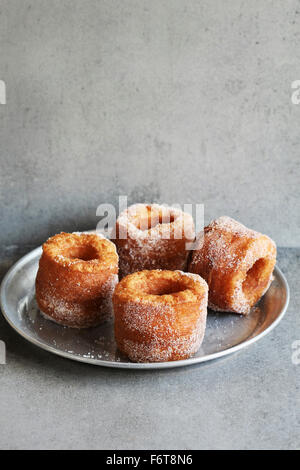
{"x": 234, "y": 227}
{"x": 79, "y": 297}
{"x": 154, "y": 330}
{"x": 228, "y": 251}
{"x": 77, "y": 314}
{"x": 195, "y": 277}
{"x": 162, "y": 246}
{"x": 160, "y": 350}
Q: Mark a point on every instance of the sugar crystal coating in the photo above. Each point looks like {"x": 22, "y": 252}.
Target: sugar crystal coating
{"x": 76, "y": 279}
{"x": 152, "y": 237}
{"x": 236, "y": 262}
{"x": 160, "y": 315}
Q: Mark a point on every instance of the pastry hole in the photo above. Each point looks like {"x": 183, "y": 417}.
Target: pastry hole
{"x": 163, "y": 287}
{"x": 152, "y": 219}
{"x": 83, "y": 253}
{"x": 255, "y": 277}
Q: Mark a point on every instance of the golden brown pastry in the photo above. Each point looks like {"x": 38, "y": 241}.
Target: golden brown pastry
{"x": 76, "y": 278}
{"x": 236, "y": 262}
{"x": 160, "y": 315}
{"x": 152, "y": 237}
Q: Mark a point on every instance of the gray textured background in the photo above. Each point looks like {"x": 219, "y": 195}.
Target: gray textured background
{"x": 167, "y": 101}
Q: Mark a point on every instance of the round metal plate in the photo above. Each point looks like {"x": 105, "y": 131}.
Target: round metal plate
{"x": 225, "y": 333}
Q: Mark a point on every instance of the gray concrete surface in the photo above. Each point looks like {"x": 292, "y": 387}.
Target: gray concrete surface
{"x": 167, "y": 101}
{"x": 249, "y": 400}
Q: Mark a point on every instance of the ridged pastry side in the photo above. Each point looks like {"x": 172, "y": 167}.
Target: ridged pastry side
{"x": 160, "y": 315}
{"x": 76, "y": 278}
{"x": 236, "y": 262}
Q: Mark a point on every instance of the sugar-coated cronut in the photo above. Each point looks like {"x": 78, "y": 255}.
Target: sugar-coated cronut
{"x": 76, "y": 278}
{"x": 160, "y": 315}
{"x": 152, "y": 237}
{"x": 236, "y": 262}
